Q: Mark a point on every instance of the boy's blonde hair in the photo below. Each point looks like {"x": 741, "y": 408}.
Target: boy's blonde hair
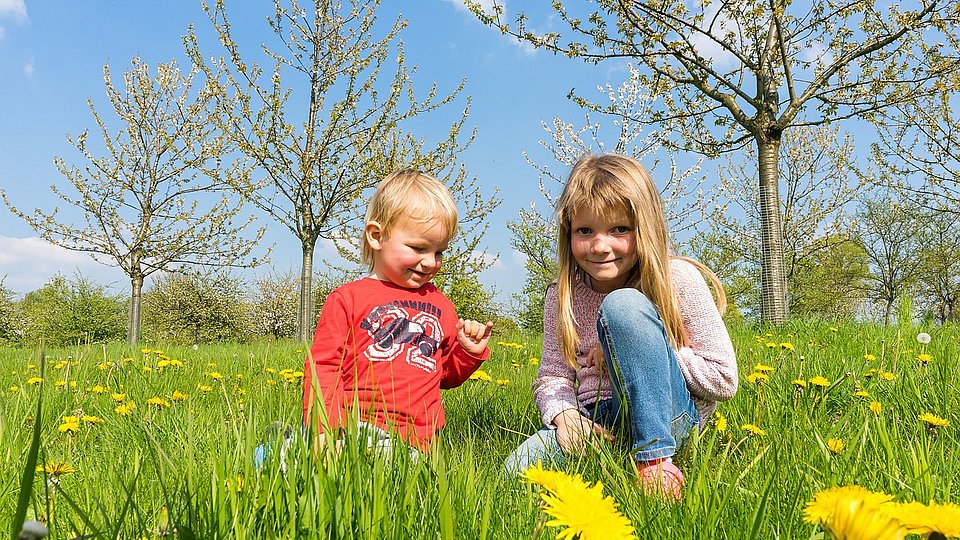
{"x": 409, "y": 194}
{"x": 613, "y": 183}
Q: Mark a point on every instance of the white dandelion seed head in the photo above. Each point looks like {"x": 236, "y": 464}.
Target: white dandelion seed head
{"x": 33, "y": 530}
{"x": 923, "y": 338}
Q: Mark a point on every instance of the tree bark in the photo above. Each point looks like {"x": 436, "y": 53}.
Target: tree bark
{"x": 305, "y": 320}
{"x": 136, "y": 295}
{"x": 773, "y": 297}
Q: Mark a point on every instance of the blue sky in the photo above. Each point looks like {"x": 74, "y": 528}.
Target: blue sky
{"x": 52, "y": 54}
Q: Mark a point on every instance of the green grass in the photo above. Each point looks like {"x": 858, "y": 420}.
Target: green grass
{"x": 183, "y": 467}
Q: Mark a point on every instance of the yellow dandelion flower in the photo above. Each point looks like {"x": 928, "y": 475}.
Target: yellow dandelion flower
{"x": 35, "y": 380}
{"x": 548, "y": 479}
{"x": 60, "y": 365}
{"x": 14, "y": 388}
{"x": 534, "y": 361}
{"x": 758, "y": 378}
{"x": 179, "y": 396}
{"x": 92, "y": 419}
{"x": 870, "y": 372}
{"x": 271, "y": 370}
{"x": 163, "y": 363}
{"x": 158, "y": 402}
{"x": 146, "y": 351}
{"x": 822, "y": 382}
{"x": 585, "y": 513}
{"x": 753, "y": 430}
{"x": 886, "y": 375}
{"x": 834, "y": 329}
{"x": 481, "y": 375}
{"x": 824, "y": 504}
{"x": 836, "y": 445}
{"x": 70, "y": 418}
{"x": 876, "y": 407}
{"x": 56, "y": 468}
{"x": 763, "y": 368}
{"x": 857, "y": 520}
{"x": 147, "y": 369}
{"x": 98, "y": 389}
{"x": 787, "y": 345}
{"x": 861, "y": 393}
{"x": 799, "y": 383}
{"x": 118, "y": 397}
{"x": 124, "y": 409}
{"x": 103, "y": 366}
{"x": 934, "y": 420}
{"x": 69, "y": 427}
{"x": 869, "y": 357}
{"x": 924, "y": 358}
{"x": 925, "y": 520}
{"x": 271, "y": 382}
{"x": 215, "y": 375}
{"x": 771, "y": 344}
{"x": 204, "y": 388}
{"x": 720, "y": 423}
{"x": 503, "y": 382}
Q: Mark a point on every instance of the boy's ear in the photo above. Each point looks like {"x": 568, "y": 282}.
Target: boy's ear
{"x": 373, "y": 232}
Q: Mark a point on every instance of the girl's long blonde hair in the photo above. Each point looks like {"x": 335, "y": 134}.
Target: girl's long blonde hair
{"x": 609, "y": 183}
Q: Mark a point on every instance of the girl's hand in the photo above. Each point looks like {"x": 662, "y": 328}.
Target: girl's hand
{"x": 594, "y": 357}
{"x": 574, "y": 430}
{"x": 473, "y": 336}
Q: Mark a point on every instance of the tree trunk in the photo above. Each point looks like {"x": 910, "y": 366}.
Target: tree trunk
{"x": 773, "y": 297}
{"x": 136, "y": 295}
{"x": 305, "y": 322}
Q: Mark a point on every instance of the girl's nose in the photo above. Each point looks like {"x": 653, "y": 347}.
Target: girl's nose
{"x": 599, "y": 244}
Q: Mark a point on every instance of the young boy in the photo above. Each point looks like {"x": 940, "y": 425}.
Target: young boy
{"x": 386, "y": 344}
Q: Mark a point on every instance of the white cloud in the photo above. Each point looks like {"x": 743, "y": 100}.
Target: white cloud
{"x": 492, "y": 260}
{"x": 707, "y": 47}
{"x": 15, "y": 9}
{"x": 26, "y": 264}
{"x": 519, "y": 258}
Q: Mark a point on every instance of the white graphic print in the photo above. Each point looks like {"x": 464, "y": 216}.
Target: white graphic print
{"x": 396, "y": 332}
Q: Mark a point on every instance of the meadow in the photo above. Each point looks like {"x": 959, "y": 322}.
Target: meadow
{"x": 158, "y": 442}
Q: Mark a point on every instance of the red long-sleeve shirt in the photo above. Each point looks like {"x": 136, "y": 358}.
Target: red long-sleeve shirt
{"x": 382, "y": 353}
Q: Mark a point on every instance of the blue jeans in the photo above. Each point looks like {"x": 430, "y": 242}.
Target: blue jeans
{"x": 651, "y": 407}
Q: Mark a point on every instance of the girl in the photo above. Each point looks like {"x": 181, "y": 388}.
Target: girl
{"x": 633, "y": 342}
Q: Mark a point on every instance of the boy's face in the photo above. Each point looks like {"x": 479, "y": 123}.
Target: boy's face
{"x": 410, "y": 255}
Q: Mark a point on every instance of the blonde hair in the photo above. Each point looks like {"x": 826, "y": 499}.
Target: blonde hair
{"x": 409, "y": 194}
{"x": 613, "y": 183}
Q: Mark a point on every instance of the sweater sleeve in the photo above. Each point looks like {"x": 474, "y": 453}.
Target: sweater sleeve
{"x": 326, "y": 364}
{"x": 708, "y": 363}
{"x": 554, "y": 389}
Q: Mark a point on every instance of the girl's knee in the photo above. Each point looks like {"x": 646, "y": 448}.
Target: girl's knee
{"x": 627, "y": 301}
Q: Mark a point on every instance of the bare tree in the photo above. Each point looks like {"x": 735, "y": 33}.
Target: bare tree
{"x": 889, "y": 231}
{"x": 736, "y": 73}
{"x": 158, "y": 198}
{"x": 324, "y": 122}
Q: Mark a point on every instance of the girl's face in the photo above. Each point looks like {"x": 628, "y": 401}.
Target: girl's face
{"x": 410, "y": 255}
{"x": 604, "y": 247}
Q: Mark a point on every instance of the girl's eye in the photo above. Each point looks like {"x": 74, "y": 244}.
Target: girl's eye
{"x": 438, "y": 255}
{"x": 623, "y": 229}
{"x": 583, "y": 230}
{"x": 417, "y": 249}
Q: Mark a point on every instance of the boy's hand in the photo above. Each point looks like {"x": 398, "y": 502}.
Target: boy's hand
{"x": 473, "y": 336}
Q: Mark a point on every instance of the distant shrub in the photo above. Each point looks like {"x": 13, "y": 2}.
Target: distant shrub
{"x": 75, "y": 311}
{"x": 195, "y": 308}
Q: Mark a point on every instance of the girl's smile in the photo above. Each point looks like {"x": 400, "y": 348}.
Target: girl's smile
{"x": 604, "y": 246}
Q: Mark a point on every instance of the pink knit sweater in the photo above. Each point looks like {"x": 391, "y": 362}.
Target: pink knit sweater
{"x": 708, "y": 364}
